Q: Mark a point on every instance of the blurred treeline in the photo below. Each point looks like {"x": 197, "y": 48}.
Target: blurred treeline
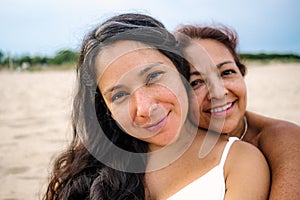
{"x": 62, "y": 59}
{"x": 263, "y": 57}
{"x": 67, "y": 59}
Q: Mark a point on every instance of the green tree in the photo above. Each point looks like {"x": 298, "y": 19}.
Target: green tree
{"x": 64, "y": 56}
{"x": 1, "y": 57}
{"x": 24, "y": 59}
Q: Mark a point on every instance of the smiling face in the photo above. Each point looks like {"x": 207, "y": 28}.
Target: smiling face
{"x": 143, "y": 91}
{"x": 218, "y": 85}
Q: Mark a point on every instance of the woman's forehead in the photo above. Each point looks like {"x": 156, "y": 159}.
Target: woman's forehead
{"x": 130, "y": 64}
{"x": 111, "y": 53}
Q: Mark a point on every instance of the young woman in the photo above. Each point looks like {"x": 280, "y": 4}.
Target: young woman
{"x": 221, "y": 92}
{"x": 132, "y": 138}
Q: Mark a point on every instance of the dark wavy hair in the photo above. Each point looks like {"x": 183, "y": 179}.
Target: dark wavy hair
{"x": 89, "y": 169}
{"x": 220, "y": 33}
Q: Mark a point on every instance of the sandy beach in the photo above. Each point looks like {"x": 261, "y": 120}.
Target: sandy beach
{"x": 35, "y": 119}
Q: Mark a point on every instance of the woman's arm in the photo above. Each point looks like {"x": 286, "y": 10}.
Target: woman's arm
{"x": 247, "y": 173}
{"x": 281, "y": 145}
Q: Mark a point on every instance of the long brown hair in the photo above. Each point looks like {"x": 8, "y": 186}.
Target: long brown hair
{"x": 79, "y": 172}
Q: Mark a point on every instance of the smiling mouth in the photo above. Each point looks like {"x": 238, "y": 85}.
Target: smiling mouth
{"x": 221, "y": 109}
{"x": 158, "y": 125}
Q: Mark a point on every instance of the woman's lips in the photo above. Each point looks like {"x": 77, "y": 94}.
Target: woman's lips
{"x": 157, "y": 126}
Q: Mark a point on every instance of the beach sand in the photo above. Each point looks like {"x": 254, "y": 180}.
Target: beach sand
{"x": 274, "y": 90}
{"x": 35, "y": 119}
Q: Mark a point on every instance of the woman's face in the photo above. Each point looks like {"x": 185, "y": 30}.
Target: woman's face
{"x": 143, "y": 91}
{"x": 218, "y": 85}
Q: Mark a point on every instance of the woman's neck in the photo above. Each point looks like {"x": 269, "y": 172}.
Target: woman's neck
{"x": 160, "y": 157}
{"x": 241, "y": 130}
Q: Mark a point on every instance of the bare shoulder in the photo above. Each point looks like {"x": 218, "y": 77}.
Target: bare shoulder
{"x": 246, "y": 158}
{"x": 245, "y": 153}
{"x": 246, "y": 168}
{"x": 283, "y": 135}
{"x": 279, "y": 141}
{"x": 270, "y": 132}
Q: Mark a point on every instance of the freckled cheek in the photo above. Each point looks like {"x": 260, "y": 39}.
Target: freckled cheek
{"x": 166, "y": 94}
{"x": 122, "y": 115}
{"x": 181, "y": 103}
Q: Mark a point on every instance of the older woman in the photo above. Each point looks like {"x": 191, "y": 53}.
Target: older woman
{"x": 222, "y": 98}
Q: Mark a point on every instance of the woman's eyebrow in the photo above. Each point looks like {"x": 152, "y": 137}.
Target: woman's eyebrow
{"x": 150, "y": 66}
{"x": 195, "y": 73}
{"x": 223, "y": 63}
{"x": 113, "y": 88}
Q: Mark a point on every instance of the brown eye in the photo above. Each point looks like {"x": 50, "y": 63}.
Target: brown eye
{"x": 228, "y": 72}
{"x": 196, "y": 83}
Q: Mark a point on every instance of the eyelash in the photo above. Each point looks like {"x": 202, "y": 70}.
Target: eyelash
{"x": 225, "y": 73}
{"x": 197, "y": 82}
{"x": 153, "y": 76}
{"x": 118, "y": 96}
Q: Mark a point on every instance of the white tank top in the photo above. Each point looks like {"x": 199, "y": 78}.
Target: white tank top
{"x": 210, "y": 186}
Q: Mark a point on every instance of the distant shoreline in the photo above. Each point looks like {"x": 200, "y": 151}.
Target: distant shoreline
{"x": 72, "y": 66}
{"x": 67, "y": 59}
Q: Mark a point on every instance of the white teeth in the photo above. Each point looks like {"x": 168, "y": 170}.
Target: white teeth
{"x": 220, "y": 109}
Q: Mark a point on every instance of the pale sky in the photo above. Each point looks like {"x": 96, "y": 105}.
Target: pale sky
{"x": 43, "y": 27}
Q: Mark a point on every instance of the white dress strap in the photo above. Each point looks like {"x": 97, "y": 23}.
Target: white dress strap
{"x": 226, "y": 150}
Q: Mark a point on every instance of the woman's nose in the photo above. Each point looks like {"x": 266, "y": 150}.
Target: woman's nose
{"x": 143, "y": 104}
{"x": 216, "y": 89}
